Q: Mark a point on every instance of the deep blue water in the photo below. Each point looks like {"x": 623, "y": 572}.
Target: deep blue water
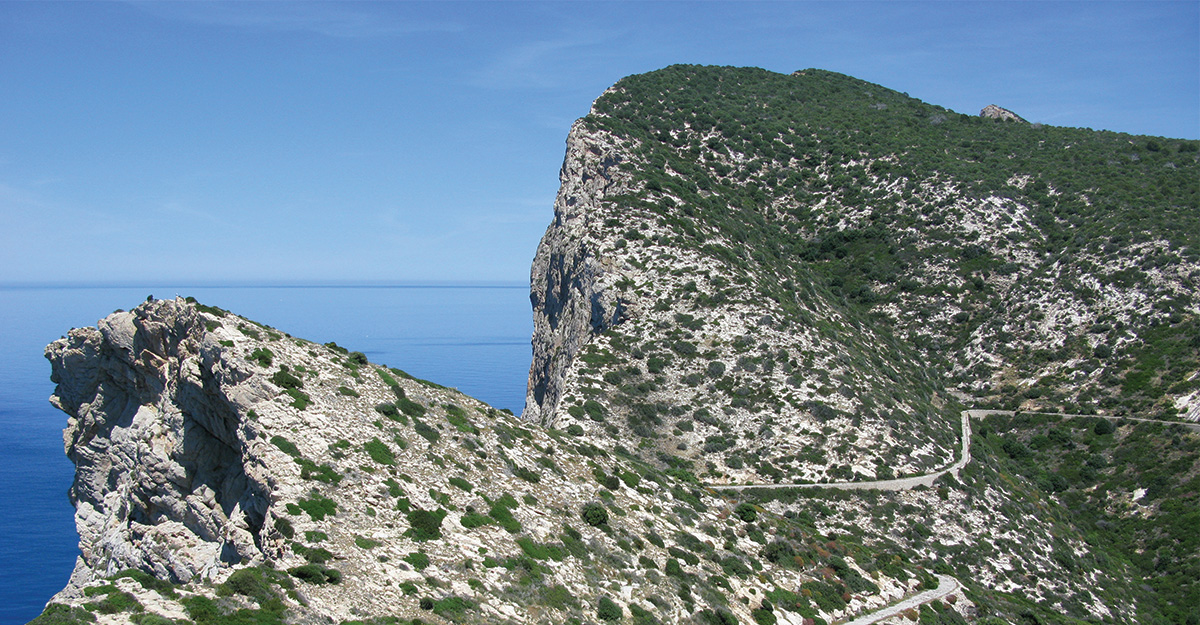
{"x": 473, "y": 338}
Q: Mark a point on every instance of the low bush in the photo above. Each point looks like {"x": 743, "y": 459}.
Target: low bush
{"x": 316, "y": 574}
{"x": 747, "y": 512}
{"x": 594, "y": 514}
{"x": 608, "y": 610}
{"x": 418, "y": 560}
{"x": 425, "y": 525}
{"x": 379, "y": 451}
{"x": 318, "y": 507}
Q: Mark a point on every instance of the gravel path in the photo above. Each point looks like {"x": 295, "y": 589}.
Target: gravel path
{"x": 1195, "y": 427}
{"x": 903, "y": 483}
{"x": 946, "y": 586}
{"x": 928, "y": 479}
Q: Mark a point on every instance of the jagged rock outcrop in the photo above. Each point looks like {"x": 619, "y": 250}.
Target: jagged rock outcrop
{"x": 167, "y": 479}
{"x": 992, "y": 111}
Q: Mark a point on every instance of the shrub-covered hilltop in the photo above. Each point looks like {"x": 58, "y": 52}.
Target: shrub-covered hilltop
{"x": 765, "y": 279}
{"x": 790, "y": 278}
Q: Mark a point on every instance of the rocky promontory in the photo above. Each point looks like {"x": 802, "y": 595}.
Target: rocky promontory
{"x": 227, "y": 472}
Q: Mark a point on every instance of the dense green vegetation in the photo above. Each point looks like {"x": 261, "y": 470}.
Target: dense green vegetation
{"x": 1132, "y": 489}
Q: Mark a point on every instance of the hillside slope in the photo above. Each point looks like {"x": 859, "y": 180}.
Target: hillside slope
{"x": 229, "y": 473}
{"x": 774, "y": 278}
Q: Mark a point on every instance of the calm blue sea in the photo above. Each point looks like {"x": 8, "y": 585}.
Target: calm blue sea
{"x": 474, "y": 338}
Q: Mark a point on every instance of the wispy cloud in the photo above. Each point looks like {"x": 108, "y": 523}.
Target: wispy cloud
{"x": 329, "y": 19}
{"x": 177, "y": 208}
{"x": 541, "y": 64}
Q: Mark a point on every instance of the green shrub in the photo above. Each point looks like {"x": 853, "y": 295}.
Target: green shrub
{"x": 529, "y": 475}
{"x": 779, "y": 552}
{"x": 116, "y": 601}
{"x": 418, "y": 560}
{"x": 315, "y": 574}
{"x": 313, "y": 555}
{"x": 747, "y": 512}
{"x": 608, "y": 610}
{"x": 461, "y": 483}
{"x": 318, "y": 507}
{"x": 458, "y": 418}
{"x": 611, "y": 482}
{"x": 201, "y": 609}
{"x": 285, "y": 380}
{"x": 310, "y": 470}
{"x": 501, "y": 511}
{"x": 720, "y": 616}
{"x": 425, "y": 525}
{"x": 452, "y": 606}
{"x": 390, "y": 411}
{"x": 150, "y": 619}
{"x": 262, "y": 356}
{"x": 148, "y": 581}
{"x": 472, "y": 520}
{"x": 558, "y": 597}
{"x": 686, "y": 556}
{"x": 594, "y": 410}
{"x": 286, "y": 446}
{"x": 428, "y": 432}
{"x": 540, "y": 551}
{"x": 250, "y": 582}
{"x": 366, "y": 543}
{"x": 300, "y": 399}
{"x": 379, "y": 451}
{"x": 594, "y": 514}
{"x": 410, "y": 407}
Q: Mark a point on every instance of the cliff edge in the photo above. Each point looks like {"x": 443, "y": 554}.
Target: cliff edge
{"x": 170, "y": 477}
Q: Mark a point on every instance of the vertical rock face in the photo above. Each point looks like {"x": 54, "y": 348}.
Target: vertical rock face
{"x": 651, "y": 322}
{"x": 165, "y": 481}
{"x": 570, "y": 286}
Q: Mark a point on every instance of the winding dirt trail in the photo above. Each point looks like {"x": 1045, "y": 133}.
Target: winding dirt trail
{"x": 906, "y": 483}
{"x": 947, "y": 585}
{"x": 903, "y": 483}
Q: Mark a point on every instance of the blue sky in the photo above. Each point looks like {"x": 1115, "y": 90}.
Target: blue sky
{"x": 279, "y": 142}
